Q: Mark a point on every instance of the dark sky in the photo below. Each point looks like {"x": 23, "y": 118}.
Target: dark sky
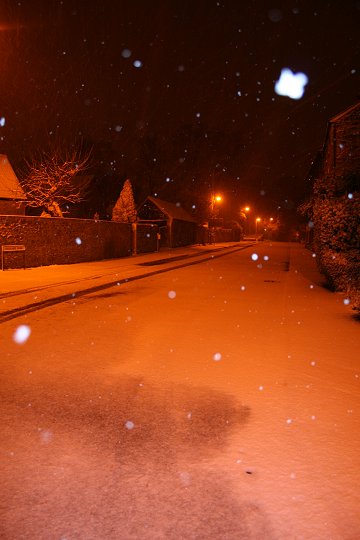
{"x": 199, "y": 108}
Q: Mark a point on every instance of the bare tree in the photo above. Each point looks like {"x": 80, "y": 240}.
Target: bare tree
{"x": 49, "y": 181}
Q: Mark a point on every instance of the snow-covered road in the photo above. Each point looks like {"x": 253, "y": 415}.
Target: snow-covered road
{"x": 217, "y": 401}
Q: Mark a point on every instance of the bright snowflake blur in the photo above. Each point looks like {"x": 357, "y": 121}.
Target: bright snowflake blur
{"x": 22, "y": 334}
{"x": 291, "y": 84}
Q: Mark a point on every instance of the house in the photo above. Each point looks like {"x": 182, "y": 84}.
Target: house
{"x": 335, "y": 171}
{"x": 12, "y": 196}
{"x": 340, "y": 156}
{"x": 176, "y": 226}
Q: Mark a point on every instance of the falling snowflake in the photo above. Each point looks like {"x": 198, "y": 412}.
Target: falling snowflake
{"x": 275, "y": 15}
{"x": 46, "y": 436}
{"x": 185, "y": 478}
{"x": 291, "y": 84}
{"x": 78, "y": 241}
{"x": 171, "y": 294}
{"x": 129, "y": 424}
{"x": 254, "y": 256}
{"x": 217, "y": 356}
{"x": 22, "y": 334}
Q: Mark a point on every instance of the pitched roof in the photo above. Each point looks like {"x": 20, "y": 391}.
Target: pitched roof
{"x": 9, "y": 184}
{"x": 345, "y": 113}
{"x": 171, "y": 210}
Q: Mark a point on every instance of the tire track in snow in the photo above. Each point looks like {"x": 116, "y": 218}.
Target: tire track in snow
{"x": 42, "y": 304}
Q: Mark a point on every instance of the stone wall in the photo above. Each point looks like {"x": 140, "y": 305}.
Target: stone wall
{"x": 66, "y": 241}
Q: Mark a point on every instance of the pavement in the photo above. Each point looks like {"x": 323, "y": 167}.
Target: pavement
{"x": 30, "y": 289}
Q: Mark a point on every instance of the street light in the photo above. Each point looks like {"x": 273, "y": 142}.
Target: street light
{"x": 245, "y": 210}
{"x": 243, "y": 213}
{"x": 215, "y": 199}
{"x": 257, "y": 220}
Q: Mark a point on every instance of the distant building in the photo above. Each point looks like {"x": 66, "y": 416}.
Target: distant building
{"x": 176, "y": 226}
{"x": 12, "y": 196}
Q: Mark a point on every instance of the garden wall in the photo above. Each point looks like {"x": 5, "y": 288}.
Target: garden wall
{"x": 65, "y": 241}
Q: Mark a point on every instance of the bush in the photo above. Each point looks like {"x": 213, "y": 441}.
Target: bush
{"x": 337, "y": 242}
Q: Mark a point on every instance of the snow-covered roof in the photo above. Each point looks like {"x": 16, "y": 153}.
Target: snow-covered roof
{"x": 171, "y": 210}
{"x": 345, "y": 113}
{"x": 9, "y": 184}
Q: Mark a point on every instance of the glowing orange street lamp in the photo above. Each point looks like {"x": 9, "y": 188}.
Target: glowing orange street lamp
{"x": 243, "y": 211}
{"x": 257, "y": 220}
{"x": 215, "y": 199}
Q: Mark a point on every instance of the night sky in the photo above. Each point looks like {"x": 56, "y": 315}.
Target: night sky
{"x": 179, "y": 95}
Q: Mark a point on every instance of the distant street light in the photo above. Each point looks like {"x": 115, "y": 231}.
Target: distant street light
{"x": 243, "y": 213}
{"x": 257, "y": 220}
{"x": 214, "y": 200}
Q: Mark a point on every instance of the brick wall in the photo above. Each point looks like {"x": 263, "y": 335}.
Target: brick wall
{"x": 342, "y": 146}
{"x": 65, "y": 241}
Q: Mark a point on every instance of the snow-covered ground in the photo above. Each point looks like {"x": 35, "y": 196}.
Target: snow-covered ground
{"x": 219, "y": 400}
